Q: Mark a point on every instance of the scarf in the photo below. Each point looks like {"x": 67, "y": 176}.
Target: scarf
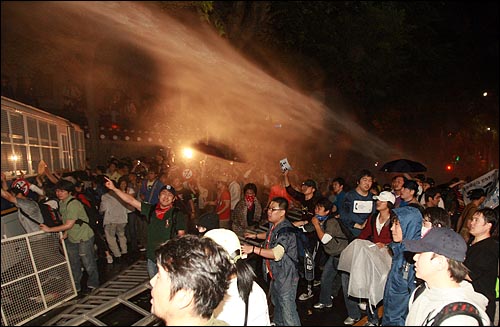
{"x": 250, "y": 199}
{"x": 160, "y": 212}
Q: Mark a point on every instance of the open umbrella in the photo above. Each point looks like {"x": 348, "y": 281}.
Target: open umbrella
{"x": 403, "y": 166}
{"x": 218, "y": 149}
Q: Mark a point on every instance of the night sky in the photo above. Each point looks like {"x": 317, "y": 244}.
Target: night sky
{"x": 411, "y": 73}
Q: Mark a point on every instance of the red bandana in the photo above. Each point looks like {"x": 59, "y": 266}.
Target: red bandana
{"x": 249, "y": 199}
{"x": 160, "y": 212}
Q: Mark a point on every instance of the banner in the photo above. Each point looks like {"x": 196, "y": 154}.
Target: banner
{"x": 489, "y": 183}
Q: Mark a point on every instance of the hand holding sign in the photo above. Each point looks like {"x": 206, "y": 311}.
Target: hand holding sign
{"x": 285, "y": 165}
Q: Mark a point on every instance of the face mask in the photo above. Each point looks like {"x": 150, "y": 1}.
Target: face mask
{"x": 321, "y": 218}
{"x": 425, "y": 230}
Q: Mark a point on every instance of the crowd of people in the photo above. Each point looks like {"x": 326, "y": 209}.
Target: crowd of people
{"x": 409, "y": 246}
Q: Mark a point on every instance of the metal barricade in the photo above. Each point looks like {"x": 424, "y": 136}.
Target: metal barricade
{"x": 36, "y": 276}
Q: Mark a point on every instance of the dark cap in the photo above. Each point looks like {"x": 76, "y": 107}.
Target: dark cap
{"x": 411, "y": 185}
{"x": 440, "y": 240}
{"x": 310, "y": 182}
{"x": 169, "y": 188}
{"x": 209, "y": 220}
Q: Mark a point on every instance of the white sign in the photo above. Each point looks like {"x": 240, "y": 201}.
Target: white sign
{"x": 489, "y": 183}
{"x": 362, "y": 206}
{"x": 285, "y": 165}
{"x": 187, "y": 173}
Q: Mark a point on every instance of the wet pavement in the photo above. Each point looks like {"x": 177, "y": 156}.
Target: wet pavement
{"x": 309, "y": 316}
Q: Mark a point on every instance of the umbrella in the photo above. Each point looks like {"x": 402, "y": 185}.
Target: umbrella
{"x": 218, "y": 150}
{"x": 403, "y": 166}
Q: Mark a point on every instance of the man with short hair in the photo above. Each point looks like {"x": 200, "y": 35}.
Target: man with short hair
{"x": 432, "y": 197}
{"x": 80, "y": 236}
{"x": 439, "y": 262}
{"x": 396, "y": 185}
{"x": 192, "y": 279}
{"x": 482, "y": 256}
{"x": 358, "y": 203}
{"x": 409, "y": 194}
{"x": 338, "y": 190}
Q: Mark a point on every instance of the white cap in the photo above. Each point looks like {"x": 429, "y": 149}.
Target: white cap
{"x": 228, "y": 240}
{"x": 385, "y": 196}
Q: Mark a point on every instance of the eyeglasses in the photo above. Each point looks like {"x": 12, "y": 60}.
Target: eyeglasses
{"x": 274, "y": 209}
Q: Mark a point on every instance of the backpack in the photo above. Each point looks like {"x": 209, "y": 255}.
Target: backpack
{"x": 51, "y": 216}
{"x": 303, "y": 254}
{"x": 95, "y": 219}
{"x": 449, "y": 310}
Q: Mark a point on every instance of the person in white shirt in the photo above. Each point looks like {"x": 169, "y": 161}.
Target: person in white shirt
{"x": 234, "y": 309}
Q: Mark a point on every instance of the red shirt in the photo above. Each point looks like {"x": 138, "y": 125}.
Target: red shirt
{"x": 226, "y": 214}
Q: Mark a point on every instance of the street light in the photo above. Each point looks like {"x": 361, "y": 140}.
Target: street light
{"x": 187, "y": 153}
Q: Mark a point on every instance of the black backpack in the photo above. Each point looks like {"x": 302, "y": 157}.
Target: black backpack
{"x": 95, "y": 219}
{"x": 51, "y": 216}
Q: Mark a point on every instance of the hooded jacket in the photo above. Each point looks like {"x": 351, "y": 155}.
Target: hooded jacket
{"x": 401, "y": 278}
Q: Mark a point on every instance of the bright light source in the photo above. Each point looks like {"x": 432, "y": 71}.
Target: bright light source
{"x": 14, "y": 157}
{"x": 488, "y": 128}
{"x": 187, "y": 153}
{"x": 449, "y": 167}
{"x": 485, "y": 94}
{"x": 376, "y": 164}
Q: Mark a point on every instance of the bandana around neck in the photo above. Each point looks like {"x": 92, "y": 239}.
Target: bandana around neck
{"x": 160, "y": 212}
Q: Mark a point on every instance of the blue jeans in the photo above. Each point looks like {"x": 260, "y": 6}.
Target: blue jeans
{"x": 152, "y": 268}
{"x": 351, "y": 303}
{"x": 83, "y": 254}
{"x": 327, "y": 277}
{"x": 285, "y": 307}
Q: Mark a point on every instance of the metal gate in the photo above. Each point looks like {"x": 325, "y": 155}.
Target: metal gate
{"x": 122, "y": 301}
{"x": 36, "y": 276}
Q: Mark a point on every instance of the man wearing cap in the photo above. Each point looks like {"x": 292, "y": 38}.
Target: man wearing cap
{"x": 164, "y": 220}
{"x": 439, "y": 262}
{"x": 308, "y": 199}
{"x": 29, "y": 213}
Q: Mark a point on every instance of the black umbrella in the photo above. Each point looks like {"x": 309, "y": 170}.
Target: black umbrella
{"x": 218, "y": 150}
{"x": 403, "y": 166}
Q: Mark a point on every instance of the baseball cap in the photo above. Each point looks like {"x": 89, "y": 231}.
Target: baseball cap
{"x": 440, "y": 240}
{"x": 209, "y": 220}
{"x": 169, "y": 188}
{"x": 228, "y": 240}
{"x": 20, "y": 185}
{"x": 385, "y": 196}
{"x": 310, "y": 182}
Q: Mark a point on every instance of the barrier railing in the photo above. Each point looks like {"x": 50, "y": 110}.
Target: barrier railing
{"x": 36, "y": 276}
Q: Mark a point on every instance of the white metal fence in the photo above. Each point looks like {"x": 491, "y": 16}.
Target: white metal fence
{"x": 36, "y": 276}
